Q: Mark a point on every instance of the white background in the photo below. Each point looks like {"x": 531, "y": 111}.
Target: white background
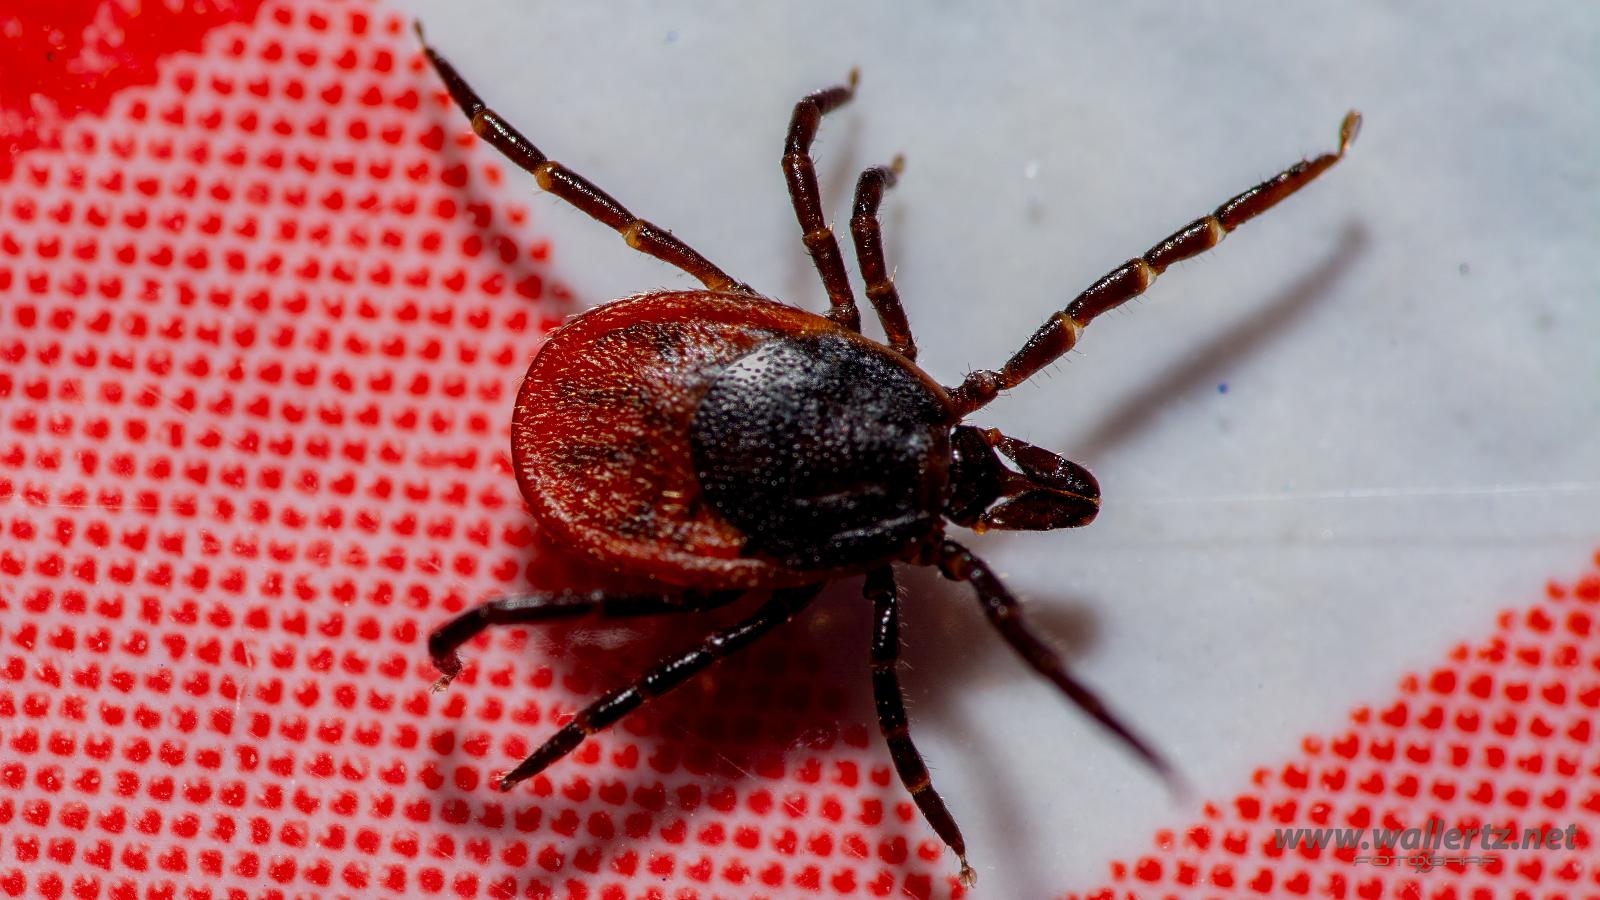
{"x": 1408, "y": 437}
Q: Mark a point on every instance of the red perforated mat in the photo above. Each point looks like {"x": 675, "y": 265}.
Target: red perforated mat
{"x": 1501, "y": 734}
{"x": 264, "y": 314}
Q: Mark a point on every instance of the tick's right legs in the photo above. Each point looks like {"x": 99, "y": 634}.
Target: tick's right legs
{"x": 526, "y": 609}
{"x": 572, "y": 187}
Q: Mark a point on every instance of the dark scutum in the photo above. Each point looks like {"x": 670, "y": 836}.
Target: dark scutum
{"x": 824, "y": 451}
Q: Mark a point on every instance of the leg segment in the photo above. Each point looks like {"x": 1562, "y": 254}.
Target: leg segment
{"x": 891, "y": 703}
{"x": 1060, "y": 333}
{"x": 1005, "y": 614}
{"x": 864, "y": 228}
{"x": 572, "y": 187}
{"x": 525, "y": 609}
{"x": 801, "y": 174}
{"x": 667, "y": 675}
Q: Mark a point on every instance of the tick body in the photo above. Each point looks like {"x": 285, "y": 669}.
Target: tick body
{"x": 719, "y": 441}
{"x": 714, "y": 442}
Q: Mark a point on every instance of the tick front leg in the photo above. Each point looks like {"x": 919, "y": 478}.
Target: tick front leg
{"x": 958, "y": 564}
{"x": 526, "y": 609}
{"x": 667, "y": 675}
{"x": 880, "y": 589}
{"x": 1060, "y": 333}
{"x": 801, "y": 174}
{"x": 864, "y": 227}
{"x": 572, "y": 187}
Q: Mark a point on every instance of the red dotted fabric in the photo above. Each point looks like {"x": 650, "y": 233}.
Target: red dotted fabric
{"x": 263, "y": 310}
{"x": 1502, "y": 733}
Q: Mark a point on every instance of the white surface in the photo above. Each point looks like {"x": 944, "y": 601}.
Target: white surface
{"x": 1408, "y": 440}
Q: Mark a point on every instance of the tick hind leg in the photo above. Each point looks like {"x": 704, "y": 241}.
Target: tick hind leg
{"x": 868, "y": 236}
{"x": 572, "y": 187}
{"x": 445, "y": 642}
{"x": 801, "y": 174}
{"x": 1004, "y": 612}
{"x": 890, "y": 699}
{"x": 667, "y": 675}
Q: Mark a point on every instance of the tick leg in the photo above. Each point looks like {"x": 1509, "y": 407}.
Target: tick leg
{"x": 801, "y": 174}
{"x": 667, "y": 675}
{"x": 1005, "y": 614}
{"x": 880, "y": 588}
{"x": 572, "y": 187}
{"x": 525, "y": 609}
{"x": 1061, "y": 331}
{"x": 864, "y": 228}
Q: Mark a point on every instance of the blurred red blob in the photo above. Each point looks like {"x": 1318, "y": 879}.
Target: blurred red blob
{"x": 65, "y": 57}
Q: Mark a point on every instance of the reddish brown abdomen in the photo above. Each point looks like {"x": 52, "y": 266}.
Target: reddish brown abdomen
{"x": 600, "y": 433}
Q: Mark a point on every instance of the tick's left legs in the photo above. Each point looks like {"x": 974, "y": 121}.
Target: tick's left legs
{"x": 1058, "y": 335}
{"x": 891, "y": 702}
{"x": 801, "y": 174}
{"x": 864, "y": 228}
{"x": 667, "y": 675}
{"x": 1005, "y": 614}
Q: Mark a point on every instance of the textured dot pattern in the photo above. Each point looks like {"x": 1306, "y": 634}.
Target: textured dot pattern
{"x": 65, "y": 57}
{"x": 1502, "y": 733}
{"x": 266, "y": 307}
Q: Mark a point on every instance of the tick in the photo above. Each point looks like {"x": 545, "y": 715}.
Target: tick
{"x": 716, "y": 442}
